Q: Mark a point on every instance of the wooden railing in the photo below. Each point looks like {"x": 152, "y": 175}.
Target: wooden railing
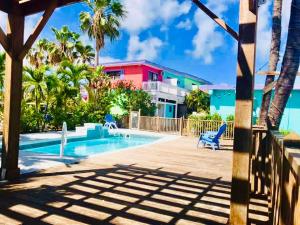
{"x": 182, "y": 126}
{"x": 275, "y": 173}
{"x": 197, "y": 127}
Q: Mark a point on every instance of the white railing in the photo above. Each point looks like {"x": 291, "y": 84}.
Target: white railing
{"x": 165, "y": 88}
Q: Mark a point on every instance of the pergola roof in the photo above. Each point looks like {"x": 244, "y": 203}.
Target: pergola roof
{"x": 29, "y": 7}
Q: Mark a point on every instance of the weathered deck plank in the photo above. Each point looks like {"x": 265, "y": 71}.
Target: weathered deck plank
{"x": 165, "y": 183}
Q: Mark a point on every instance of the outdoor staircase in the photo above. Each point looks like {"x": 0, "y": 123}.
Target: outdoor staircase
{"x": 93, "y": 130}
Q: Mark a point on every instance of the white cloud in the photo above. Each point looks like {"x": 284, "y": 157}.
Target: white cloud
{"x": 185, "y": 24}
{"x": 143, "y": 14}
{"x": 207, "y": 39}
{"x": 147, "y": 49}
{"x": 108, "y": 59}
{"x": 30, "y": 23}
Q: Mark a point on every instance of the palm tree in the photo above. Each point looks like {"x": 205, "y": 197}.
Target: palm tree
{"x": 103, "y": 21}
{"x": 66, "y": 42}
{"x": 71, "y": 73}
{"x": 274, "y": 58}
{"x": 34, "y": 84}
{"x": 38, "y": 55}
{"x": 85, "y": 53}
{"x": 290, "y": 65}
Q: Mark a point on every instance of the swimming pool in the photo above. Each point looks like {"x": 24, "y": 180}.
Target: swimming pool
{"x": 84, "y": 148}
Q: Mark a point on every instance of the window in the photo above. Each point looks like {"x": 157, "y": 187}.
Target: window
{"x": 114, "y": 75}
{"x": 152, "y": 76}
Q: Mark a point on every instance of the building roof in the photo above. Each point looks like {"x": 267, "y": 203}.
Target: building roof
{"x": 232, "y": 87}
{"x": 157, "y": 66}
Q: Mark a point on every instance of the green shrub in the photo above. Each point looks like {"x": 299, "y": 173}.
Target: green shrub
{"x": 230, "y": 118}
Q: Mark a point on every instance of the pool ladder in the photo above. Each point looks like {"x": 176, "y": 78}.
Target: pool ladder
{"x": 63, "y": 139}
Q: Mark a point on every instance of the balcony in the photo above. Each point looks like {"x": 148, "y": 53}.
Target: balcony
{"x": 158, "y": 86}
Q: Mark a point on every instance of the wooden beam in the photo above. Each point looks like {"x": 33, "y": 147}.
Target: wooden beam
{"x": 38, "y": 29}
{"x": 219, "y": 21}
{"x": 271, "y": 73}
{"x": 36, "y": 6}
{"x": 242, "y": 147}
{"x": 269, "y": 87}
{"x": 12, "y": 98}
{"x": 5, "y": 6}
{"x": 4, "y": 40}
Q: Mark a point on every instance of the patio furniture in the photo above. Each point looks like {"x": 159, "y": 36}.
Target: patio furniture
{"x": 212, "y": 137}
{"x": 110, "y": 122}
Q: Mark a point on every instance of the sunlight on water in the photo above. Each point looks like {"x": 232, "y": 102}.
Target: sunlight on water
{"x": 95, "y": 146}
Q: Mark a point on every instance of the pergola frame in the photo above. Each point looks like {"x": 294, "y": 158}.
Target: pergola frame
{"x": 13, "y": 43}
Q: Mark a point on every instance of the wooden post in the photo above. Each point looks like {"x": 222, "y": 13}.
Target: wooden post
{"x": 181, "y": 126}
{"x": 157, "y": 124}
{"x": 139, "y": 119}
{"x": 12, "y": 98}
{"x": 243, "y": 114}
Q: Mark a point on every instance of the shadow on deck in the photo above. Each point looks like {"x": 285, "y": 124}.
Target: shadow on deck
{"x": 123, "y": 194}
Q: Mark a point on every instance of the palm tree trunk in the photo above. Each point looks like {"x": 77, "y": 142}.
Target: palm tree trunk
{"x": 289, "y": 68}
{"x": 274, "y": 58}
{"x": 97, "y": 56}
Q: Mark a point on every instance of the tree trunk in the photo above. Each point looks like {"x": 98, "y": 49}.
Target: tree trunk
{"x": 97, "y": 56}
{"x": 289, "y": 68}
{"x": 274, "y": 58}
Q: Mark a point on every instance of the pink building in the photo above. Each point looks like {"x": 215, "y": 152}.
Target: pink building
{"x": 168, "y": 87}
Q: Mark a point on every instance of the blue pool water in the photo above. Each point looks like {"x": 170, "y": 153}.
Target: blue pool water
{"x": 94, "y": 146}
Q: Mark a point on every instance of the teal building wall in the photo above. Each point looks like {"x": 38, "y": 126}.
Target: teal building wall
{"x": 183, "y": 82}
{"x": 223, "y": 102}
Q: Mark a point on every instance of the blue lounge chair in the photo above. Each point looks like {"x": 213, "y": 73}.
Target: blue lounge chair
{"x": 110, "y": 122}
{"x": 212, "y": 137}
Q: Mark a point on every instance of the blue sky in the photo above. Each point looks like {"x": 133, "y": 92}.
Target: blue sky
{"x": 176, "y": 34}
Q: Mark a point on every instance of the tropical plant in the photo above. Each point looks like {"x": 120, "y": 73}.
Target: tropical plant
{"x": 197, "y": 101}
{"x": 289, "y": 69}
{"x": 34, "y": 85}
{"x": 85, "y": 53}
{"x": 103, "y": 20}
{"x": 38, "y": 55}
{"x": 274, "y": 58}
{"x": 67, "y": 41}
{"x": 72, "y": 74}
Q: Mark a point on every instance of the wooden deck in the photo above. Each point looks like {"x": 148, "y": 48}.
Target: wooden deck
{"x": 165, "y": 183}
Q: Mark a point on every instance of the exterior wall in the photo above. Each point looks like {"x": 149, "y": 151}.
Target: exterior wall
{"x": 188, "y": 83}
{"x": 180, "y": 79}
{"x": 131, "y": 73}
{"x": 137, "y": 74}
{"x": 147, "y": 69}
{"x": 223, "y": 102}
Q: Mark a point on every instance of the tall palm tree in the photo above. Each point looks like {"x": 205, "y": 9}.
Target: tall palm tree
{"x": 38, "y": 55}
{"x": 66, "y": 41}
{"x": 102, "y": 21}
{"x": 289, "y": 69}
{"x": 274, "y": 58}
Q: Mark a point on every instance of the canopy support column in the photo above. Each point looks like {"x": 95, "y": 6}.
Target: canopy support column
{"x": 243, "y": 113}
{"x": 12, "y": 97}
